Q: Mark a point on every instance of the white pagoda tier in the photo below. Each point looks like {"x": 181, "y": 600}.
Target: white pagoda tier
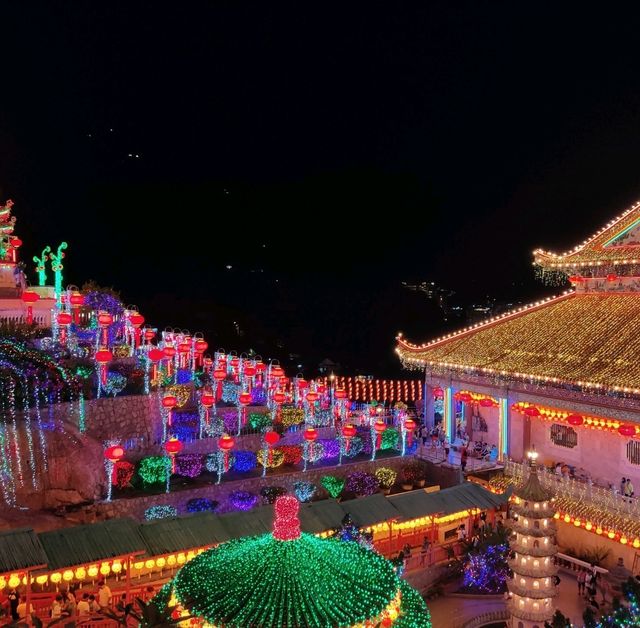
{"x": 532, "y": 585}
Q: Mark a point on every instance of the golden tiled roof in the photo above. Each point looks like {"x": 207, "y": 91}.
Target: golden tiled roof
{"x": 594, "y": 251}
{"x": 591, "y": 340}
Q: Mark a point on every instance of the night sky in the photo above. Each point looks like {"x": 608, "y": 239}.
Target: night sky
{"x": 323, "y": 152}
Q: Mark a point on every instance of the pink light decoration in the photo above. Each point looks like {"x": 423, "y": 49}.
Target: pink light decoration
{"x": 286, "y": 526}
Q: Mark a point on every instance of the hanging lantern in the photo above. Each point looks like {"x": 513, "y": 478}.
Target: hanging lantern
{"x": 321, "y": 389}
{"x": 410, "y": 425}
{"x": 303, "y": 384}
{"x": 612, "y": 277}
{"x": 169, "y": 402}
{"x": 226, "y": 444}
{"x": 465, "y": 397}
{"x": 627, "y": 430}
{"x": 312, "y": 396}
{"x": 149, "y": 334}
{"x": 486, "y": 402}
{"x": 379, "y": 426}
{"x": 29, "y": 298}
{"x": 532, "y": 411}
{"x": 250, "y": 370}
{"x": 105, "y": 319}
{"x": 103, "y": 357}
{"x": 244, "y": 398}
{"x": 173, "y": 447}
{"x": 575, "y": 420}
{"x": 271, "y": 438}
{"x": 348, "y": 432}
{"x": 261, "y": 367}
{"x": 136, "y": 319}
{"x": 155, "y": 355}
{"x": 64, "y": 320}
{"x": 207, "y": 399}
{"x": 340, "y": 393}
{"x": 276, "y": 371}
{"x": 114, "y": 453}
{"x": 201, "y": 345}
{"x": 279, "y": 397}
{"x": 310, "y": 434}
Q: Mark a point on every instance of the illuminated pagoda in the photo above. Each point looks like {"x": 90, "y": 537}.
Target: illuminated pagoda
{"x": 532, "y": 585}
{"x": 561, "y": 373}
{"x": 290, "y": 578}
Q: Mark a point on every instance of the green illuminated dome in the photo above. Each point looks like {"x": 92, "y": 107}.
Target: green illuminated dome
{"x": 289, "y": 579}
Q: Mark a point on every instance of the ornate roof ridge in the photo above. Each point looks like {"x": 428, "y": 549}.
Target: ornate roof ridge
{"x": 524, "y": 309}
{"x": 595, "y": 242}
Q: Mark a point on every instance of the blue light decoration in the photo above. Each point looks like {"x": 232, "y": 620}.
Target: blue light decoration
{"x": 116, "y": 383}
{"x": 486, "y": 571}
{"x": 244, "y": 461}
{"x": 82, "y": 419}
{"x": 355, "y": 447}
{"x": 184, "y": 376}
{"x": 163, "y": 511}
{"x": 201, "y": 504}
{"x": 304, "y": 491}
{"x": 230, "y": 392}
{"x": 258, "y": 396}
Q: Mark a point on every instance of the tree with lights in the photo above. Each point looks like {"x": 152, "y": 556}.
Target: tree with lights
{"x": 485, "y": 567}
{"x": 623, "y": 615}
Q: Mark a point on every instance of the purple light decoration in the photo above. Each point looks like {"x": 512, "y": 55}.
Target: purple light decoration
{"x": 258, "y": 396}
{"x": 362, "y": 483}
{"x": 229, "y": 418}
{"x": 189, "y": 465}
{"x": 331, "y": 447}
{"x": 243, "y": 500}
{"x": 487, "y": 571}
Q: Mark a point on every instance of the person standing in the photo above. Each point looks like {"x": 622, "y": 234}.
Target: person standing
{"x": 83, "y": 605}
{"x": 104, "y": 595}
{"x": 14, "y": 600}
{"x": 22, "y": 608}
{"x": 424, "y": 550}
{"x": 629, "y": 489}
{"x": 582, "y": 576}
{"x": 463, "y": 459}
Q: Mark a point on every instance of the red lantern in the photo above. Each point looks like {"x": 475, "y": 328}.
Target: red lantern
{"x": 279, "y": 397}
{"x": 321, "y": 389}
{"x": 532, "y": 411}
{"x": 64, "y": 318}
{"x": 438, "y": 393}
{"x": 348, "y": 432}
{"x": 201, "y": 346}
{"x": 155, "y": 355}
{"x": 627, "y": 430}
{"x": 76, "y": 299}
{"x": 114, "y": 453}
{"x": 575, "y": 419}
{"x": 29, "y": 298}
{"x": 207, "y": 399}
{"x": 249, "y": 370}
{"x": 219, "y": 375}
{"x": 303, "y": 384}
{"x": 312, "y": 396}
{"x": 612, "y": 277}
{"x": 276, "y": 371}
{"x": 379, "y": 426}
{"x": 244, "y": 398}
{"x": 310, "y": 434}
{"x": 409, "y": 426}
{"x": 184, "y": 347}
{"x": 169, "y": 351}
{"x": 137, "y": 320}
{"x": 226, "y": 443}
{"x": 485, "y": 402}
{"x": 340, "y": 393}
{"x": 16, "y": 242}
{"x": 271, "y": 438}
{"x": 261, "y": 367}
{"x": 465, "y": 397}
{"x": 169, "y": 401}
{"x": 105, "y": 319}
{"x": 149, "y": 334}
{"x": 104, "y": 356}
{"x": 173, "y": 447}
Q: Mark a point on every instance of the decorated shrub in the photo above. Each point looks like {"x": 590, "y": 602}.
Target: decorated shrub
{"x": 215, "y": 460}
{"x": 290, "y": 415}
{"x": 411, "y": 472}
{"x": 270, "y": 493}
{"x": 331, "y": 447}
{"x": 333, "y": 485}
{"x": 313, "y": 452}
{"x": 259, "y": 420}
{"x": 160, "y": 512}
{"x": 355, "y": 447}
{"x": 386, "y": 477}
{"x": 189, "y": 465}
{"x": 304, "y": 491}
{"x": 362, "y": 483}
{"x": 244, "y": 461}
{"x": 201, "y": 504}
{"x": 274, "y": 459}
{"x": 124, "y": 473}
{"x": 243, "y": 500}
{"x": 390, "y": 438}
{"x": 153, "y": 470}
{"x": 292, "y": 454}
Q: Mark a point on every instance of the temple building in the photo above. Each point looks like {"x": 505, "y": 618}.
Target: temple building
{"x": 561, "y": 374}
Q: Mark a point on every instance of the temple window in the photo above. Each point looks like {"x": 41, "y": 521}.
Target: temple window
{"x": 564, "y": 435}
{"x": 536, "y": 563}
{"x": 536, "y": 506}
{"x": 536, "y": 584}
{"x": 526, "y": 522}
{"x": 536, "y": 524}
{"x": 523, "y": 582}
{"x": 537, "y": 543}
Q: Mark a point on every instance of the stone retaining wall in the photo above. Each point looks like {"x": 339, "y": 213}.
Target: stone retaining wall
{"x": 135, "y": 507}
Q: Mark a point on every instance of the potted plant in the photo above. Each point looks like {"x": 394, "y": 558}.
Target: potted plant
{"x": 412, "y": 474}
{"x": 386, "y": 478}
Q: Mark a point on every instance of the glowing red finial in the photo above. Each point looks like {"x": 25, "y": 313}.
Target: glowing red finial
{"x": 286, "y": 526}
